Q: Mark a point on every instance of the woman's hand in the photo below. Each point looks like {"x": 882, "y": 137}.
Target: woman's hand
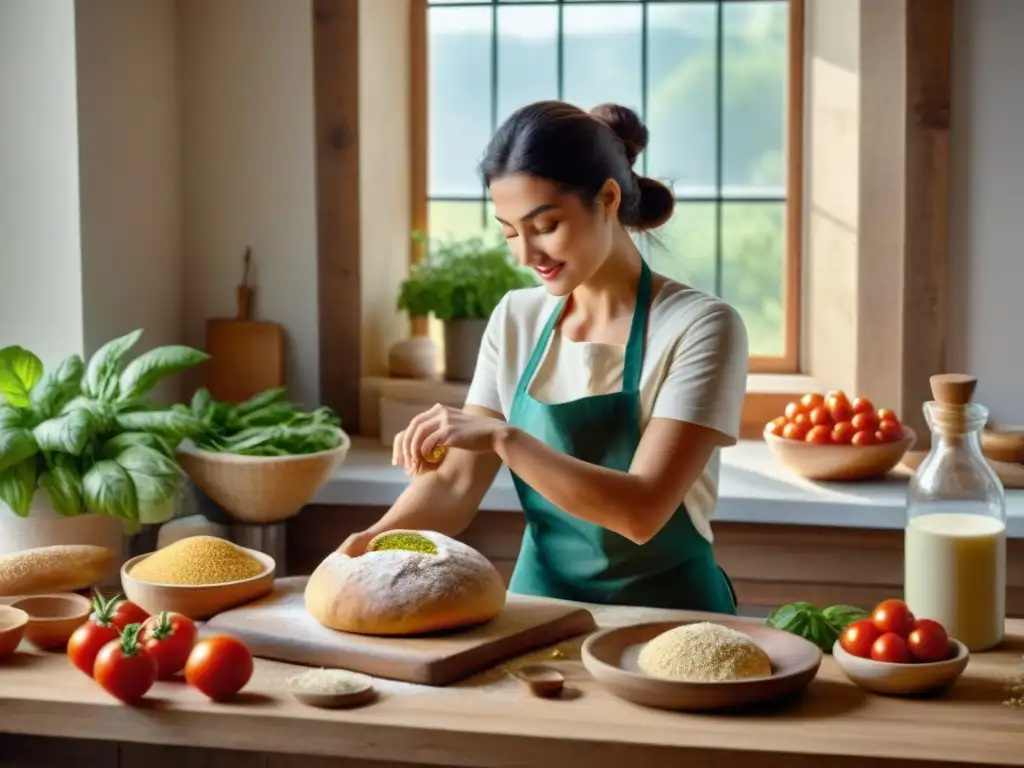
{"x": 446, "y": 427}
{"x": 355, "y": 545}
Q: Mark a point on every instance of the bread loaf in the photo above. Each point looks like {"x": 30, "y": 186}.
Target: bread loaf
{"x": 62, "y": 568}
{"x": 406, "y": 583}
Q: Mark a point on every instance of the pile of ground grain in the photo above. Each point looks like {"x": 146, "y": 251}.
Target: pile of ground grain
{"x": 704, "y": 653}
{"x": 197, "y": 560}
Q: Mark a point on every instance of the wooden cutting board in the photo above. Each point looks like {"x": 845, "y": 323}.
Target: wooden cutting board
{"x": 278, "y": 627}
{"x": 246, "y": 355}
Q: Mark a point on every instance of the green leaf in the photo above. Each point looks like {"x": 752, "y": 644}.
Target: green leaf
{"x": 150, "y": 368}
{"x": 19, "y": 372}
{"x": 261, "y": 400}
{"x": 270, "y": 415}
{"x": 166, "y": 423}
{"x": 69, "y": 433}
{"x": 63, "y": 485}
{"x": 57, "y": 387}
{"x": 108, "y": 489}
{"x": 842, "y": 616}
{"x": 18, "y": 486}
{"x": 12, "y": 417}
{"x": 156, "y": 479}
{"x": 119, "y": 443}
{"x": 101, "y": 375}
{"x": 16, "y": 445}
{"x": 201, "y": 402}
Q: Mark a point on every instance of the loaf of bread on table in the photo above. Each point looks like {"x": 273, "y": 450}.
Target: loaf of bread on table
{"x": 406, "y": 583}
{"x": 60, "y": 568}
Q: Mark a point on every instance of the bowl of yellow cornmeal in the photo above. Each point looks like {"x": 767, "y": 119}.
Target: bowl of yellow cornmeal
{"x": 724, "y": 663}
{"x": 198, "y": 576}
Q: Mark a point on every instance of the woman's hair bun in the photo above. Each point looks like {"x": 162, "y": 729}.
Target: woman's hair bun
{"x": 627, "y": 125}
{"x": 657, "y": 202}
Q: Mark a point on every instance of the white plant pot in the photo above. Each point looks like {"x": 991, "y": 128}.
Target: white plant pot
{"x": 44, "y": 528}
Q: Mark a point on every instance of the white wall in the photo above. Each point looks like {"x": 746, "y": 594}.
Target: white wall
{"x": 40, "y": 273}
{"x": 130, "y": 169}
{"x": 246, "y": 76}
{"x": 987, "y": 206}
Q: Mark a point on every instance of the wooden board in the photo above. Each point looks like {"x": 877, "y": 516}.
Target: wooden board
{"x": 247, "y": 357}
{"x": 278, "y": 627}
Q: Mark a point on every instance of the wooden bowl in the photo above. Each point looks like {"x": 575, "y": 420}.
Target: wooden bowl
{"x": 12, "y": 628}
{"x": 839, "y": 462}
{"x": 261, "y": 489}
{"x": 902, "y": 679}
{"x": 197, "y": 602}
{"x": 611, "y": 657}
{"x": 52, "y": 619}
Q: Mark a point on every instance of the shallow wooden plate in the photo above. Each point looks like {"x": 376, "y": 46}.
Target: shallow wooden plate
{"x": 611, "y": 657}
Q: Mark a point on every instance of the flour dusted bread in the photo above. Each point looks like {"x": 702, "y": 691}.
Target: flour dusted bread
{"x": 59, "y": 568}
{"x": 406, "y": 583}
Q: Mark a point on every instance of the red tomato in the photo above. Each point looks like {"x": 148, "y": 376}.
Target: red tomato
{"x": 858, "y": 637}
{"x": 891, "y": 429}
{"x": 890, "y": 647}
{"x": 219, "y": 666}
{"x": 863, "y": 405}
{"x": 842, "y": 433}
{"x": 838, "y": 405}
{"x": 123, "y": 667}
{"x": 794, "y": 431}
{"x": 928, "y": 641}
{"x": 885, "y": 413}
{"x": 893, "y": 616}
{"x": 820, "y": 417}
{"x": 98, "y": 630}
{"x": 775, "y": 426}
{"x": 812, "y": 400}
{"x": 793, "y": 410}
{"x": 169, "y": 638}
{"x": 819, "y": 435}
{"x": 864, "y": 420}
{"x": 863, "y": 437}
{"x": 802, "y": 420}
{"x": 127, "y": 612}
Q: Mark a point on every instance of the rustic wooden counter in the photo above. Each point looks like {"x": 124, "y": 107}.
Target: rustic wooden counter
{"x": 50, "y": 712}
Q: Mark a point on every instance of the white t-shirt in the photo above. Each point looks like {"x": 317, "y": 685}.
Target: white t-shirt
{"x": 694, "y": 368}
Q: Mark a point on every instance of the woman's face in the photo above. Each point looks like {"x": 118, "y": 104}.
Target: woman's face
{"x": 553, "y": 232}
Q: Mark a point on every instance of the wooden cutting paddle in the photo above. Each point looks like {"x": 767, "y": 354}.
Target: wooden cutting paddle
{"x": 247, "y": 356}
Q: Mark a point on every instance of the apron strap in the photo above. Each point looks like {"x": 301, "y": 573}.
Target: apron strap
{"x": 634, "y": 362}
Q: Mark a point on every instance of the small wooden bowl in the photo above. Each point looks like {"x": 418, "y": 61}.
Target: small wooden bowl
{"x": 611, "y": 657}
{"x": 361, "y": 695}
{"x": 197, "y": 602}
{"x": 52, "y": 619}
{"x": 902, "y": 679}
{"x": 839, "y": 462}
{"x": 12, "y": 628}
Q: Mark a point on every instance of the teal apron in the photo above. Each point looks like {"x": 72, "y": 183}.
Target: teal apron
{"x": 565, "y": 557}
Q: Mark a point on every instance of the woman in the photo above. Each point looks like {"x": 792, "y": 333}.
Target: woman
{"x": 608, "y": 391}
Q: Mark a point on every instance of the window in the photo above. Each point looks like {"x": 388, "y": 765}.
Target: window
{"x": 711, "y": 79}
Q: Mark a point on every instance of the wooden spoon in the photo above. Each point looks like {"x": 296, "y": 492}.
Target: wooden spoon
{"x": 542, "y": 680}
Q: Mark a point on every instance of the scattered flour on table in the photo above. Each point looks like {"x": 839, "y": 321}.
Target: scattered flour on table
{"x": 704, "y": 653}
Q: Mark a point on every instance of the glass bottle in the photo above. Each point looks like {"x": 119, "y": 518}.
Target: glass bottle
{"x": 955, "y": 539}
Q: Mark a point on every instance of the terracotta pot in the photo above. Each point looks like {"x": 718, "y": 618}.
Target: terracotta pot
{"x": 461, "y": 347}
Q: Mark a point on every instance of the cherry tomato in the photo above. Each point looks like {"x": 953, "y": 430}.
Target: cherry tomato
{"x": 124, "y": 668}
{"x": 168, "y": 638}
{"x": 802, "y": 420}
{"x": 928, "y": 641}
{"x": 885, "y": 413}
{"x": 893, "y": 616}
{"x": 219, "y": 666}
{"x": 842, "y": 433}
{"x": 890, "y": 647}
{"x": 793, "y": 431}
{"x": 863, "y": 437}
{"x": 793, "y": 410}
{"x": 820, "y": 417}
{"x": 839, "y": 406}
{"x": 864, "y": 420}
{"x": 863, "y": 405}
{"x": 775, "y": 426}
{"x": 893, "y": 430}
{"x": 858, "y": 637}
{"x": 98, "y": 630}
{"x": 127, "y": 612}
{"x": 819, "y": 435}
{"x": 812, "y": 400}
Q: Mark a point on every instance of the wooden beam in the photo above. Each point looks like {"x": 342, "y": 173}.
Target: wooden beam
{"x": 336, "y": 102}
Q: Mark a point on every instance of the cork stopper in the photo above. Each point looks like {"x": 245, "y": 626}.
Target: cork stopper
{"x": 953, "y": 388}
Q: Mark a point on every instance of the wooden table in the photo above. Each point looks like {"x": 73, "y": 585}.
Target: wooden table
{"x": 50, "y": 712}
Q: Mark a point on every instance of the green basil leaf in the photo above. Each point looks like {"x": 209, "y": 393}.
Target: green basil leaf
{"x": 821, "y": 632}
{"x": 69, "y": 433}
{"x": 157, "y": 480}
{"x": 16, "y": 445}
{"x": 101, "y": 375}
{"x": 108, "y": 489}
{"x": 118, "y": 443}
{"x": 166, "y": 423}
{"x": 261, "y": 400}
{"x": 841, "y": 616}
{"x": 12, "y": 417}
{"x": 63, "y": 485}
{"x": 150, "y": 368}
{"x": 57, "y": 387}
{"x": 19, "y": 372}
{"x": 785, "y": 616}
{"x": 18, "y": 486}
{"x": 270, "y": 415}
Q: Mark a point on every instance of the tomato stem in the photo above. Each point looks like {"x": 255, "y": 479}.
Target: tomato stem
{"x": 103, "y": 609}
{"x": 163, "y": 628}
{"x": 130, "y": 639}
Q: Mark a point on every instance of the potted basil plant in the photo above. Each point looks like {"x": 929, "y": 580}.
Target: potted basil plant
{"x": 460, "y": 282}
{"x": 85, "y": 456}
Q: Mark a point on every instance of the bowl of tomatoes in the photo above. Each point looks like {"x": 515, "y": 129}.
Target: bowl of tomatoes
{"x": 892, "y": 652}
{"x": 832, "y": 437}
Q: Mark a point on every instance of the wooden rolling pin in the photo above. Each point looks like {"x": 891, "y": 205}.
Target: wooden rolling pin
{"x": 60, "y": 568}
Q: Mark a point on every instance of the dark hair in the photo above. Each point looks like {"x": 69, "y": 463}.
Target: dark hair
{"x": 580, "y": 151}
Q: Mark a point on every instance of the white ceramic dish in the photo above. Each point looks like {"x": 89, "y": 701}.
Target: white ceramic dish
{"x": 902, "y": 679}
{"x": 839, "y": 462}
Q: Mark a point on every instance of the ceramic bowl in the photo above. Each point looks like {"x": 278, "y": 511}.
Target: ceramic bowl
{"x": 902, "y": 679}
{"x": 839, "y": 462}
{"x": 52, "y": 619}
{"x": 197, "y": 602}
{"x": 12, "y": 628}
